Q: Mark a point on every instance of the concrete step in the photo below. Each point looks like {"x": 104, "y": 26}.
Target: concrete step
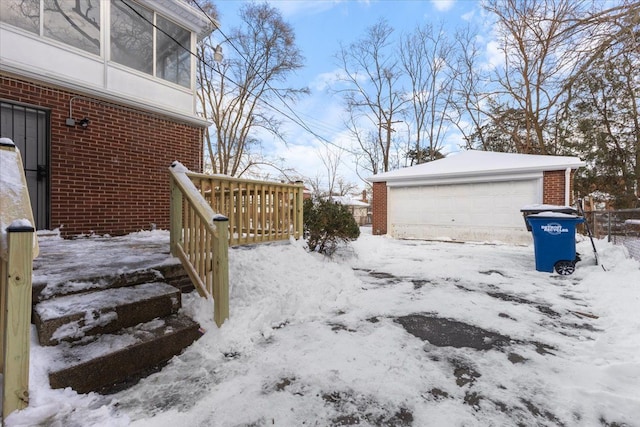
{"x": 111, "y": 360}
{"x": 72, "y": 317}
{"x": 173, "y": 274}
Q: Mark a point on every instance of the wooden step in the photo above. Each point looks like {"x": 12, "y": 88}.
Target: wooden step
{"x": 113, "y": 359}
{"x": 73, "y": 317}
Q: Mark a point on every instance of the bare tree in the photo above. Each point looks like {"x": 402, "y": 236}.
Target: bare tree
{"x": 260, "y": 55}
{"x": 331, "y": 160}
{"x": 427, "y": 56}
{"x": 471, "y": 97}
{"x": 315, "y": 183}
{"x": 371, "y": 90}
{"x": 604, "y": 125}
{"x": 547, "y": 45}
{"x": 335, "y": 183}
{"x": 344, "y": 187}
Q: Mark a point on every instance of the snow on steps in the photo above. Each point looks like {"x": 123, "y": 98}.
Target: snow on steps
{"x": 114, "y": 329}
{"x": 173, "y": 274}
{"x": 71, "y": 317}
{"x": 96, "y": 367}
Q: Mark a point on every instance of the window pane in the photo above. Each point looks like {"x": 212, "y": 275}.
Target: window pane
{"x": 21, "y": 13}
{"x": 132, "y": 35}
{"x": 74, "y": 22}
{"x": 173, "y": 61}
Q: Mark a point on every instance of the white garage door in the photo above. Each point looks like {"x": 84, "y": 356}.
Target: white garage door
{"x": 487, "y": 211}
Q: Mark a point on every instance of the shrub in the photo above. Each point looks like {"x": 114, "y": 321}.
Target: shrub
{"x": 327, "y": 223}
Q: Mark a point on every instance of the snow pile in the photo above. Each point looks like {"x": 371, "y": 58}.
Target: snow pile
{"x": 315, "y": 341}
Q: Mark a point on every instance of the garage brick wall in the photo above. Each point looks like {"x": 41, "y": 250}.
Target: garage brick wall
{"x": 379, "y": 208}
{"x": 553, "y": 187}
{"x": 112, "y": 177}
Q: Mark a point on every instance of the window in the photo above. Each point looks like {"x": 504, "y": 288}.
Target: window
{"x": 173, "y": 62}
{"x": 77, "y": 23}
{"x": 73, "y": 22}
{"x": 132, "y": 43}
{"x": 132, "y": 35}
{"x": 24, "y": 14}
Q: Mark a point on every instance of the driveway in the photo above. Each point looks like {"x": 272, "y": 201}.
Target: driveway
{"x": 395, "y": 333}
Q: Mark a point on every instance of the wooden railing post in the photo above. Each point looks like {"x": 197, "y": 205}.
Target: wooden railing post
{"x": 3, "y": 312}
{"x": 175, "y": 215}
{"x": 221, "y": 270}
{"x": 15, "y": 321}
{"x": 299, "y": 232}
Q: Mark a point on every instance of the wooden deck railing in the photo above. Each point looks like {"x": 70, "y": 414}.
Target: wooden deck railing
{"x": 200, "y": 239}
{"x": 209, "y": 213}
{"x": 18, "y": 247}
{"x": 258, "y": 211}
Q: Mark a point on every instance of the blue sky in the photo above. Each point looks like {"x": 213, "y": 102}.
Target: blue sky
{"x": 320, "y": 26}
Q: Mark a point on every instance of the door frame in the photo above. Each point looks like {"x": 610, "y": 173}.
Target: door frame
{"x": 43, "y": 220}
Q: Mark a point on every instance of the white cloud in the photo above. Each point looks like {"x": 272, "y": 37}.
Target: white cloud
{"x": 495, "y": 56}
{"x": 442, "y": 5}
{"x": 291, "y": 8}
{"x": 326, "y": 80}
{"x": 468, "y": 17}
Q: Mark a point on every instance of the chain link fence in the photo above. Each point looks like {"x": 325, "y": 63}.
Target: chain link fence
{"x": 621, "y": 227}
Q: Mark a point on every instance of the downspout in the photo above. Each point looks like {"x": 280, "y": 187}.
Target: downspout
{"x": 567, "y": 186}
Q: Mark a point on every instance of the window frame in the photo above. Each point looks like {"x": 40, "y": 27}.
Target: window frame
{"x": 105, "y": 51}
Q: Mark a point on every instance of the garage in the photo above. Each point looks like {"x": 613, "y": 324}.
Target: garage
{"x": 472, "y": 196}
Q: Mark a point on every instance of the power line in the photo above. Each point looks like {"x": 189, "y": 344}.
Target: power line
{"x": 295, "y": 119}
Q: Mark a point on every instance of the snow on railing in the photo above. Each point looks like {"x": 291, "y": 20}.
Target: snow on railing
{"x": 18, "y": 247}
{"x": 200, "y": 239}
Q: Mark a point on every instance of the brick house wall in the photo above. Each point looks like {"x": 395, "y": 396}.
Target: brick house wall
{"x": 112, "y": 177}
{"x": 379, "y": 209}
{"x": 553, "y": 194}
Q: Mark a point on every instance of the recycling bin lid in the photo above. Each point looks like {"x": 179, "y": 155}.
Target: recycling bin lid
{"x": 538, "y": 208}
{"x": 551, "y": 214}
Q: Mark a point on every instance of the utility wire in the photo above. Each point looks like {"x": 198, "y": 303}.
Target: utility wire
{"x": 295, "y": 119}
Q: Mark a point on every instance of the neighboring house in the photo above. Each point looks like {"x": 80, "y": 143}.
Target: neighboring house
{"x": 470, "y": 196}
{"x": 100, "y": 100}
{"x": 358, "y": 208}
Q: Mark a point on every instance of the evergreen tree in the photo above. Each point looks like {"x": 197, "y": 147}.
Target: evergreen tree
{"x": 603, "y": 128}
{"x": 326, "y": 224}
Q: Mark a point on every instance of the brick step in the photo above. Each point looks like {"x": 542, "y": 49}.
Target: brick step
{"x": 110, "y": 361}
{"x": 72, "y": 317}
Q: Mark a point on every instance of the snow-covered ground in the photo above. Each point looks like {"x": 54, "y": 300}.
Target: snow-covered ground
{"x": 318, "y": 341}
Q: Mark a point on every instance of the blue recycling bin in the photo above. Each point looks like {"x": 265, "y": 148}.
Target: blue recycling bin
{"x": 554, "y": 241}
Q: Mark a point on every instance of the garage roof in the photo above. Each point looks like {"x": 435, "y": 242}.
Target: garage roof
{"x": 473, "y": 165}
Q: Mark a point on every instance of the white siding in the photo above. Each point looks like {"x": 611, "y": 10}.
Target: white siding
{"x": 487, "y": 211}
{"x": 50, "y": 61}
{"x": 31, "y": 54}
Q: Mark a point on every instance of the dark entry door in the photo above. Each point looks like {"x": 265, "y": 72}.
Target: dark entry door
{"x": 28, "y": 127}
